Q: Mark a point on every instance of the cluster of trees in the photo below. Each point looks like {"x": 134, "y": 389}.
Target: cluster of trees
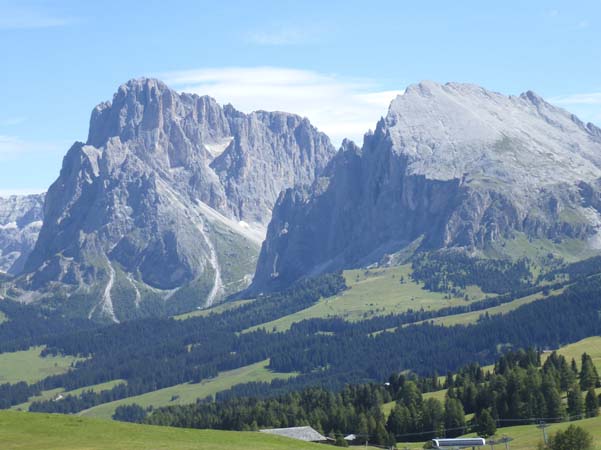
{"x": 452, "y": 271}
{"x": 518, "y": 388}
{"x": 574, "y": 437}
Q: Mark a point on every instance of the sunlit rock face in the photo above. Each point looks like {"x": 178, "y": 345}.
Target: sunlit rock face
{"x": 450, "y": 165}
{"x": 164, "y": 208}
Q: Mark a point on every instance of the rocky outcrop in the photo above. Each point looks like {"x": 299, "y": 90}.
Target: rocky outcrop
{"x": 163, "y": 209}
{"x": 21, "y": 218}
{"x": 450, "y": 165}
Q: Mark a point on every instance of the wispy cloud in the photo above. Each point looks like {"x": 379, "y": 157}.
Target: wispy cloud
{"x": 338, "y": 106}
{"x": 18, "y": 17}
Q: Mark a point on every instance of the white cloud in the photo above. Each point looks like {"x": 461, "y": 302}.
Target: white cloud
{"x": 20, "y": 18}
{"x": 339, "y": 107}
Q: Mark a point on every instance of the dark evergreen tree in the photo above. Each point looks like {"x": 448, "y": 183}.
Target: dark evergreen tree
{"x": 589, "y": 378}
{"x": 575, "y": 403}
{"x": 454, "y": 417}
{"x": 572, "y": 438}
{"x": 591, "y": 403}
{"x": 486, "y": 425}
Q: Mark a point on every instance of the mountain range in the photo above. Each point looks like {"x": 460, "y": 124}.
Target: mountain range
{"x": 166, "y": 205}
{"x": 450, "y": 165}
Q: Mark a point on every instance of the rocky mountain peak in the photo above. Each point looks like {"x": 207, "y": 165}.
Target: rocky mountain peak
{"x": 450, "y": 165}
{"x": 170, "y": 194}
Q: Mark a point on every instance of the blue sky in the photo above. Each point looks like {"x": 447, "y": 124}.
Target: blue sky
{"x": 337, "y": 62}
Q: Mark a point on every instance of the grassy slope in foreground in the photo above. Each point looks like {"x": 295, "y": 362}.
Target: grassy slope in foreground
{"x": 374, "y": 292}
{"x": 527, "y": 437}
{"x": 30, "y": 367}
{"x": 30, "y": 431}
{"x": 188, "y": 393}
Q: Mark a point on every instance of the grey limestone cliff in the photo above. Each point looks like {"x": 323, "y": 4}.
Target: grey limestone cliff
{"x": 164, "y": 208}
{"x": 450, "y": 165}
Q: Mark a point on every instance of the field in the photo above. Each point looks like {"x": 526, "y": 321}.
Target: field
{"x": 188, "y": 393}
{"x": 537, "y": 249}
{"x": 218, "y": 309}
{"x": 53, "y": 393}
{"x": 527, "y": 437}
{"x": 591, "y": 345}
{"x": 29, "y": 431}
{"x": 473, "y": 316}
{"x": 439, "y": 395}
{"x": 374, "y": 292}
{"x": 29, "y": 366}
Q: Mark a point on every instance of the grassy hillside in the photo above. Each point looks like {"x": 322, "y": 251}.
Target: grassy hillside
{"x": 218, "y": 309}
{"x": 54, "y": 393}
{"x": 29, "y": 366}
{"x": 591, "y": 345}
{"x": 473, "y": 316}
{"x": 187, "y": 393}
{"x": 374, "y": 292}
{"x": 570, "y": 250}
{"x": 527, "y": 437}
{"x": 29, "y": 431}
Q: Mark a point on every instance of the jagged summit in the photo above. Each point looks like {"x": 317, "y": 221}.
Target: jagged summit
{"x": 165, "y": 205}
{"x": 452, "y": 129}
{"x": 449, "y": 165}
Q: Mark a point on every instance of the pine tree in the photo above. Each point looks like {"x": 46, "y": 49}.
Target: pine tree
{"x": 589, "y": 378}
{"x": 591, "y": 403}
{"x": 555, "y": 408}
{"x": 486, "y": 425}
{"x": 454, "y": 417}
{"x": 432, "y": 418}
{"x": 575, "y": 403}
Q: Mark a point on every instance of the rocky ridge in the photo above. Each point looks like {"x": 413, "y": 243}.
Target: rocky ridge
{"x": 163, "y": 209}
{"x": 450, "y": 165}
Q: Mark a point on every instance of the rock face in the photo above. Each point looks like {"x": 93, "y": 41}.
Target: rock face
{"x": 450, "y": 165}
{"x": 164, "y": 207}
{"x": 20, "y": 222}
